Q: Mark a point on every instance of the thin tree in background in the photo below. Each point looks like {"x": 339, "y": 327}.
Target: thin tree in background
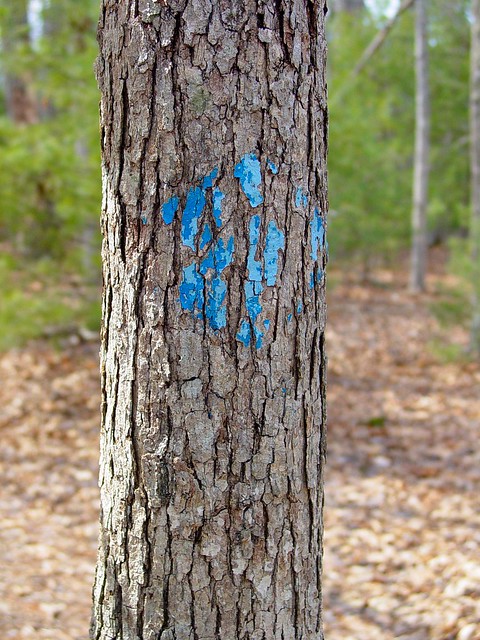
{"x": 20, "y": 100}
{"x": 421, "y": 159}
{"x": 475, "y": 171}
{"x": 214, "y": 136}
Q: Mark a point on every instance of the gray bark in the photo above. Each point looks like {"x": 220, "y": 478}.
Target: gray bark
{"x": 422, "y": 144}
{"x": 214, "y": 135}
{"x": 475, "y": 171}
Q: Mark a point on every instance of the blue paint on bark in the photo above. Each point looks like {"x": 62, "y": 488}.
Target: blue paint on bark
{"x": 191, "y": 289}
{"x": 191, "y": 214}
{"x": 301, "y": 198}
{"x": 144, "y": 219}
{"x": 216, "y": 310}
{"x": 218, "y": 196}
{"x": 249, "y": 173}
{"x": 317, "y": 228}
{"x": 253, "y": 265}
{"x": 289, "y": 317}
{"x": 208, "y": 180}
{"x": 299, "y": 307}
{"x": 169, "y": 209}
{"x": 244, "y": 335}
{"x": 275, "y": 241}
{"x": 272, "y": 166}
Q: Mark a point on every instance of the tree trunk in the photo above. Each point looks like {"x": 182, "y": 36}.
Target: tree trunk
{"x": 20, "y": 101}
{"x": 421, "y": 161}
{"x": 214, "y": 134}
{"x": 475, "y": 171}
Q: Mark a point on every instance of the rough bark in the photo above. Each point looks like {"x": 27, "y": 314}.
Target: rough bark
{"x": 475, "y": 171}
{"x": 214, "y": 135}
{"x": 422, "y": 144}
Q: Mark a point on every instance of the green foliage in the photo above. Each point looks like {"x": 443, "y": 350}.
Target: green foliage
{"x": 372, "y": 132}
{"x": 50, "y": 186}
{"x": 36, "y": 302}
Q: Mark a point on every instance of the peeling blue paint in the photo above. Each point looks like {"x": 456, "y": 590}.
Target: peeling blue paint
{"x": 216, "y": 311}
{"x": 144, "y": 219}
{"x": 319, "y": 274}
{"x": 284, "y": 391}
{"x": 249, "y": 173}
{"x": 208, "y": 180}
{"x": 272, "y": 166}
{"x": 299, "y": 307}
{"x": 301, "y": 198}
{"x": 275, "y": 241}
{"x": 266, "y": 324}
{"x": 218, "y": 196}
{"x": 207, "y": 263}
{"x": 254, "y": 266}
{"x": 191, "y": 289}
{"x": 206, "y": 236}
{"x": 317, "y": 227}
{"x": 289, "y": 317}
{"x": 169, "y": 209}
{"x": 312, "y": 280}
{"x": 244, "y": 335}
{"x": 191, "y": 214}
{"x": 223, "y": 255}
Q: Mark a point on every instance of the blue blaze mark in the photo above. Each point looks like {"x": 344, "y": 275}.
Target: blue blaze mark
{"x": 208, "y": 180}
{"x": 192, "y": 212}
{"x": 191, "y": 289}
{"x": 254, "y": 266}
{"x": 169, "y": 209}
{"x": 254, "y": 308}
{"x": 289, "y": 317}
{"x": 217, "y": 260}
{"x": 299, "y": 307}
{"x": 223, "y": 255}
{"x": 301, "y": 199}
{"x": 273, "y": 167}
{"x": 244, "y": 335}
{"x": 275, "y": 242}
{"x": 312, "y": 280}
{"x": 218, "y": 196}
{"x": 206, "y": 236}
{"x": 318, "y": 233}
{"x": 216, "y": 311}
{"x": 249, "y": 174}
{"x": 207, "y": 263}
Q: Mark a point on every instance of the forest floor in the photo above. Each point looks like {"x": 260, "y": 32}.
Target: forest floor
{"x": 402, "y": 517}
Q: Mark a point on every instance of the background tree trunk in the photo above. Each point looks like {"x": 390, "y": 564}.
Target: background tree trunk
{"x": 475, "y": 171}
{"x": 350, "y": 6}
{"x": 20, "y": 101}
{"x": 422, "y": 145}
{"x": 214, "y": 134}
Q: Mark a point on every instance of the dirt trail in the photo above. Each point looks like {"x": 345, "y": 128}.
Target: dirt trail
{"x": 402, "y": 543}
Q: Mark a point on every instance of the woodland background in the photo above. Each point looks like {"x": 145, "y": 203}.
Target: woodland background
{"x": 402, "y": 507}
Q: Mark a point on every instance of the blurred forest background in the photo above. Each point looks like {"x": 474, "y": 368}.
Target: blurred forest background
{"x": 402, "y": 517}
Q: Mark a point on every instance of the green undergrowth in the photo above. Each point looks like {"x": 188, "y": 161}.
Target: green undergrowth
{"x": 37, "y": 303}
